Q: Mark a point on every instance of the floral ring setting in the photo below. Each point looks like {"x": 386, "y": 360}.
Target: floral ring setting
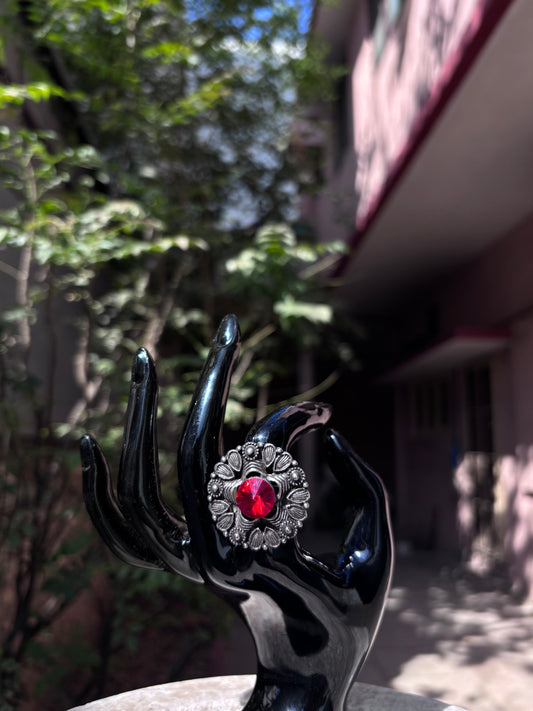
{"x": 258, "y": 496}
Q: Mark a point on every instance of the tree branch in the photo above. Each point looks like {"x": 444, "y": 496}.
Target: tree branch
{"x": 158, "y": 321}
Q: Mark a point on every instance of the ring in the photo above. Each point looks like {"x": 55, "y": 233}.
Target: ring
{"x": 258, "y": 496}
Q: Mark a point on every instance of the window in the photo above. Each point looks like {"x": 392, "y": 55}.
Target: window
{"x": 479, "y": 408}
{"x": 430, "y": 407}
{"x": 383, "y": 17}
{"x": 342, "y": 119}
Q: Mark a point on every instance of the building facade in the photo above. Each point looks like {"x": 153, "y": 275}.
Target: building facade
{"x": 427, "y": 170}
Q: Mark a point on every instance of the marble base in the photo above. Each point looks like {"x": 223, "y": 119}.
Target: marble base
{"x": 230, "y": 693}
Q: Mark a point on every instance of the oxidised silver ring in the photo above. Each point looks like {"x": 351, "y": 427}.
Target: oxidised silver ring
{"x": 258, "y": 496}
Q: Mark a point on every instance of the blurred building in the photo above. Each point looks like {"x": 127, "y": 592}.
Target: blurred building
{"x": 425, "y": 170}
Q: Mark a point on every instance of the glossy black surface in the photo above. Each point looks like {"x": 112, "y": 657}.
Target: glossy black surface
{"x": 312, "y": 622}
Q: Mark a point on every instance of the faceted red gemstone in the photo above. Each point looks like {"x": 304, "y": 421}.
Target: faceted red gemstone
{"x": 255, "y": 497}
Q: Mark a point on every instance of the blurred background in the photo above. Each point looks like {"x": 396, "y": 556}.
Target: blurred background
{"x": 352, "y": 179}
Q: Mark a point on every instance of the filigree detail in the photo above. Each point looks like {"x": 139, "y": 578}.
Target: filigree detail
{"x": 288, "y": 480}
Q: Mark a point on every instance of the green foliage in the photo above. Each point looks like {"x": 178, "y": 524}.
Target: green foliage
{"x": 39, "y": 91}
{"x": 153, "y": 196}
{"x": 9, "y": 683}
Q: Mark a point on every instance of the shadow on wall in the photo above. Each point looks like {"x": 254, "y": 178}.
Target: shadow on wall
{"x": 513, "y": 508}
{"x": 495, "y": 514}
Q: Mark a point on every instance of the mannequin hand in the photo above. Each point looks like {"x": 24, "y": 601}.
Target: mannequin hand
{"x": 312, "y": 622}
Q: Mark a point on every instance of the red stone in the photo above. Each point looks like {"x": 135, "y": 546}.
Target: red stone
{"x": 255, "y": 497}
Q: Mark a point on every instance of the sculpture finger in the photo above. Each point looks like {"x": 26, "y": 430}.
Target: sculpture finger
{"x": 138, "y": 487}
{"x": 201, "y": 440}
{"x": 105, "y": 514}
{"x": 367, "y": 543}
{"x": 289, "y": 422}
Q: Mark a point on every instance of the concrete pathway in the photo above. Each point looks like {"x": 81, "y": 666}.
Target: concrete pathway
{"x": 454, "y": 636}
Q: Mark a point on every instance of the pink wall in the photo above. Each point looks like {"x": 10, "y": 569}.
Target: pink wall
{"x": 517, "y": 471}
{"x": 515, "y": 509}
{"x": 497, "y": 290}
{"x": 386, "y": 95}
{"x": 389, "y": 91}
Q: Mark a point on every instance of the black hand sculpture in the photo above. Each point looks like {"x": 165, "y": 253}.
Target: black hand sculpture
{"x": 312, "y": 623}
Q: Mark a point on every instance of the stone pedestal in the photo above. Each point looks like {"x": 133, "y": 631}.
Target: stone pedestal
{"x": 230, "y": 693}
